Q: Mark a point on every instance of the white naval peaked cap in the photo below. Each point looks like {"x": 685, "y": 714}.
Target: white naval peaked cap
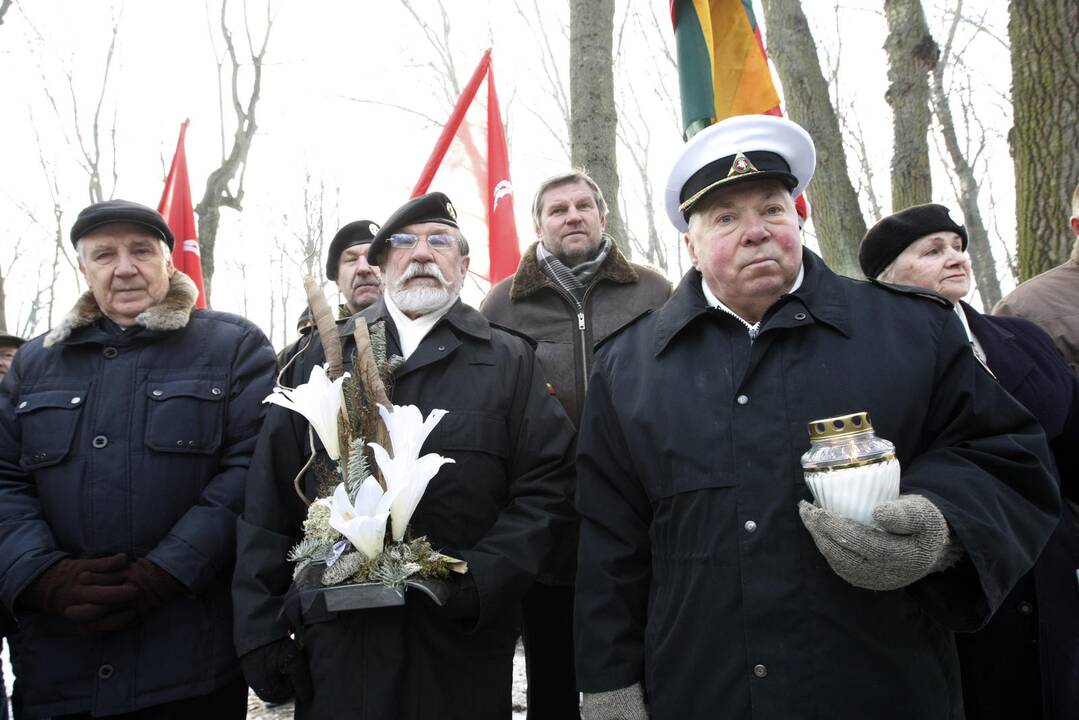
{"x": 740, "y": 148}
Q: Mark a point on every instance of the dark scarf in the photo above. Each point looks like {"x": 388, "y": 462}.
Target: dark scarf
{"x": 574, "y": 280}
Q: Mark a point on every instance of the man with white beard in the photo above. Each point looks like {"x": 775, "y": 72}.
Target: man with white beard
{"x": 498, "y": 506}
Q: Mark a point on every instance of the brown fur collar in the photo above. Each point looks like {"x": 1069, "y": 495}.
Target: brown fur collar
{"x": 529, "y": 278}
{"x": 172, "y": 313}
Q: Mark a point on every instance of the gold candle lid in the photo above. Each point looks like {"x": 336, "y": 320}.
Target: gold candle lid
{"x": 839, "y": 426}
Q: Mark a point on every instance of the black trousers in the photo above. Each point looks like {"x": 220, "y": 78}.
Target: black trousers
{"x": 547, "y": 631}
{"x": 225, "y": 703}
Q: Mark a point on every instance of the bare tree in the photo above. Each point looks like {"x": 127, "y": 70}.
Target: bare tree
{"x": 966, "y": 183}
{"x": 5, "y": 5}
{"x": 593, "y": 117}
{"x": 539, "y": 26}
{"x": 1045, "y": 137}
{"x": 219, "y": 192}
{"x": 836, "y": 214}
{"x": 912, "y": 53}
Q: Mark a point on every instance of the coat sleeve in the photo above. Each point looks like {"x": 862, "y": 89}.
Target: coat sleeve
{"x": 27, "y": 544}
{"x": 986, "y": 465}
{"x": 270, "y": 525}
{"x": 614, "y": 568}
{"x": 507, "y": 559}
{"x": 202, "y": 543}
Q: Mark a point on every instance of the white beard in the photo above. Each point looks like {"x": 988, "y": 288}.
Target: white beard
{"x": 423, "y": 300}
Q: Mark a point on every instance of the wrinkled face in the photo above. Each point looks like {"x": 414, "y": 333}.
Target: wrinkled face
{"x": 7, "y": 354}
{"x": 359, "y": 282}
{"x": 421, "y": 279}
{"x": 571, "y": 225}
{"x": 745, "y": 242}
{"x": 935, "y": 261}
{"x": 127, "y": 268}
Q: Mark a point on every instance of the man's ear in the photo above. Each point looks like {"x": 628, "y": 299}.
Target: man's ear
{"x": 691, "y": 250}
{"x": 1075, "y": 224}
{"x": 464, "y": 265}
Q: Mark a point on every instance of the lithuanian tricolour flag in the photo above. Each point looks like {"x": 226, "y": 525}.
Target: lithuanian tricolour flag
{"x": 722, "y": 67}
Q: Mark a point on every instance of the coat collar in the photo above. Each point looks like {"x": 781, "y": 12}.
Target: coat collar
{"x": 530, "y": 279}
{"x": 172, "y": 313}
{"x": 461, "y": 316}
{"x": 822, "y": 294}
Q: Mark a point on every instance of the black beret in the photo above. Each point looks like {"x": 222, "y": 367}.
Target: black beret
{"x": 886, "y": 240}
{"x": 120, "y": 211}
{"x": 357, "y": 232}
{"x": 7, "y": 340}
{"x": 432, "y": 207}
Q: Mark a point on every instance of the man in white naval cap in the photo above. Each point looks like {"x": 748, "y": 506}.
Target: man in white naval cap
{"x": 708, "y": 585}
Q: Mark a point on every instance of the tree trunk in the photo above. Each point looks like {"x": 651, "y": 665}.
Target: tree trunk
{"x": 593, "y": 119}
{"x": 836, "y": 214}
{"x": 912, "y": 53}
{"x": 981, "y": 253}
{"x": 1044, "y": 38}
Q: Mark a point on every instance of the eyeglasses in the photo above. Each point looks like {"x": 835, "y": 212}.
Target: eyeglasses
{"x": 437, "y": 242}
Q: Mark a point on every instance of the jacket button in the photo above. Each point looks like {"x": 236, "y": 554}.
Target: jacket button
{"x": 215, "y": 391}
{"x": 110, "y": 352}
{"x": 742, "y": 399}
{"x": 41, "y": 456}
{"x": 441, "y": 348}
{"x": 750, "y": 526}
{"x": 22, "y": 404}
{"x": 800, "y": 316}
{"x": 76, "y": 400}
{"x": 1026, "y": 608}
{"x": 105, "y": 671}
{"x": 157, "y": 393}
{"x": 760, "y": 671}
{"x": 179, "y": 443}
{"x": 100, "y": 441}
{"x": 191, "y": 443}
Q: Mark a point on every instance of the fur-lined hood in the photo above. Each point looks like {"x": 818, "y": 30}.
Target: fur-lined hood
{"x": 172, "y": 313}
{"x": 529, "y": 278}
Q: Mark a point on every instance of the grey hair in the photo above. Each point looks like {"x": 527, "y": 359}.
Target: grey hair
{"x": 80, "y": 250}
{"x": 564, "y": 179}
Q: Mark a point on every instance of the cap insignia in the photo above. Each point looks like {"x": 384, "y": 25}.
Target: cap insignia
{"x": 450, "y": 211}
{"x": 741, "y": 166}
{"x": 373, "y": 229}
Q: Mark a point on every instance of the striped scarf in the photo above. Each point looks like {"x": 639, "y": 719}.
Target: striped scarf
{"x": 574, "y": 280}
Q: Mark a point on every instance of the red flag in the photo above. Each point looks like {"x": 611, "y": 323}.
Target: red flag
{"x": 470, "y": 163}
{"x": 176, "y": 208}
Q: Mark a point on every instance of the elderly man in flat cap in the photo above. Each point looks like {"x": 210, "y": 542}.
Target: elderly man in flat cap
{"x": 125, "y": 436}
{"x": 498, "y": 506}
{"x": 708, "y": 586}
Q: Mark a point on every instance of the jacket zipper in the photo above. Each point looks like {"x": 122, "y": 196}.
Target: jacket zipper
{"x": 581, "y": 331}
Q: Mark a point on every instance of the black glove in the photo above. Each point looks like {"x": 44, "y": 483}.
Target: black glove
{"x": 277, "y": 671}
{"x": 464, "y": 602}
{"x": 156, "y": 586}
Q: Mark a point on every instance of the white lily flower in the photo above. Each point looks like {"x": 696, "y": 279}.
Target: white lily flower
{"x": 406, "y": 473}
{"x": 319, "y": 400}
{"x": 362, "y": 522}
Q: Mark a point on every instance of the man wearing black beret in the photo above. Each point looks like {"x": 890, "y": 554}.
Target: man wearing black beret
{"x": 125, "y": 436}
{"x": 346, "y": 263}
{"x": 498, "y": 506}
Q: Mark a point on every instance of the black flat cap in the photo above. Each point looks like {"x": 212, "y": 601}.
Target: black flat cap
{"x": 7, "y": 340}
{"x": 432, "y": 207}
{"x": 120, "y": 211}
{"x": 884, "y": 242}
{"x": 357, "y": 232}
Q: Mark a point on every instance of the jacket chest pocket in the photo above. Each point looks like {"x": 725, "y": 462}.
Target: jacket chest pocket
{"x": 48, "y": 420}
{"x": 185, "y": 416}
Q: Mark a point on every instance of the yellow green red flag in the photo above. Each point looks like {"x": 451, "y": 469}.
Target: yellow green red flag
{"x": 722, "y": 66}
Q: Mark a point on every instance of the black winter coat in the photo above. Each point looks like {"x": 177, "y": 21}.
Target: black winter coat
{"x": 497, "y": 507}
{"x": 695, "y": 573}
{"x": 133, "y": 443}
{"x": 1028, "y": 655}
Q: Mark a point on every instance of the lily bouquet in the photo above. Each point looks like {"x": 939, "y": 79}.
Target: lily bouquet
{"x": 345, "y": 537}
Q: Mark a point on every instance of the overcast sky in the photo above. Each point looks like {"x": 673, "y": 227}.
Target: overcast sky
{"x": 325, "y": 56}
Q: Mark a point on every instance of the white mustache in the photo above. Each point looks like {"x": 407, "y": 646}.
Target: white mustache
{"x": 416, "y": 269}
